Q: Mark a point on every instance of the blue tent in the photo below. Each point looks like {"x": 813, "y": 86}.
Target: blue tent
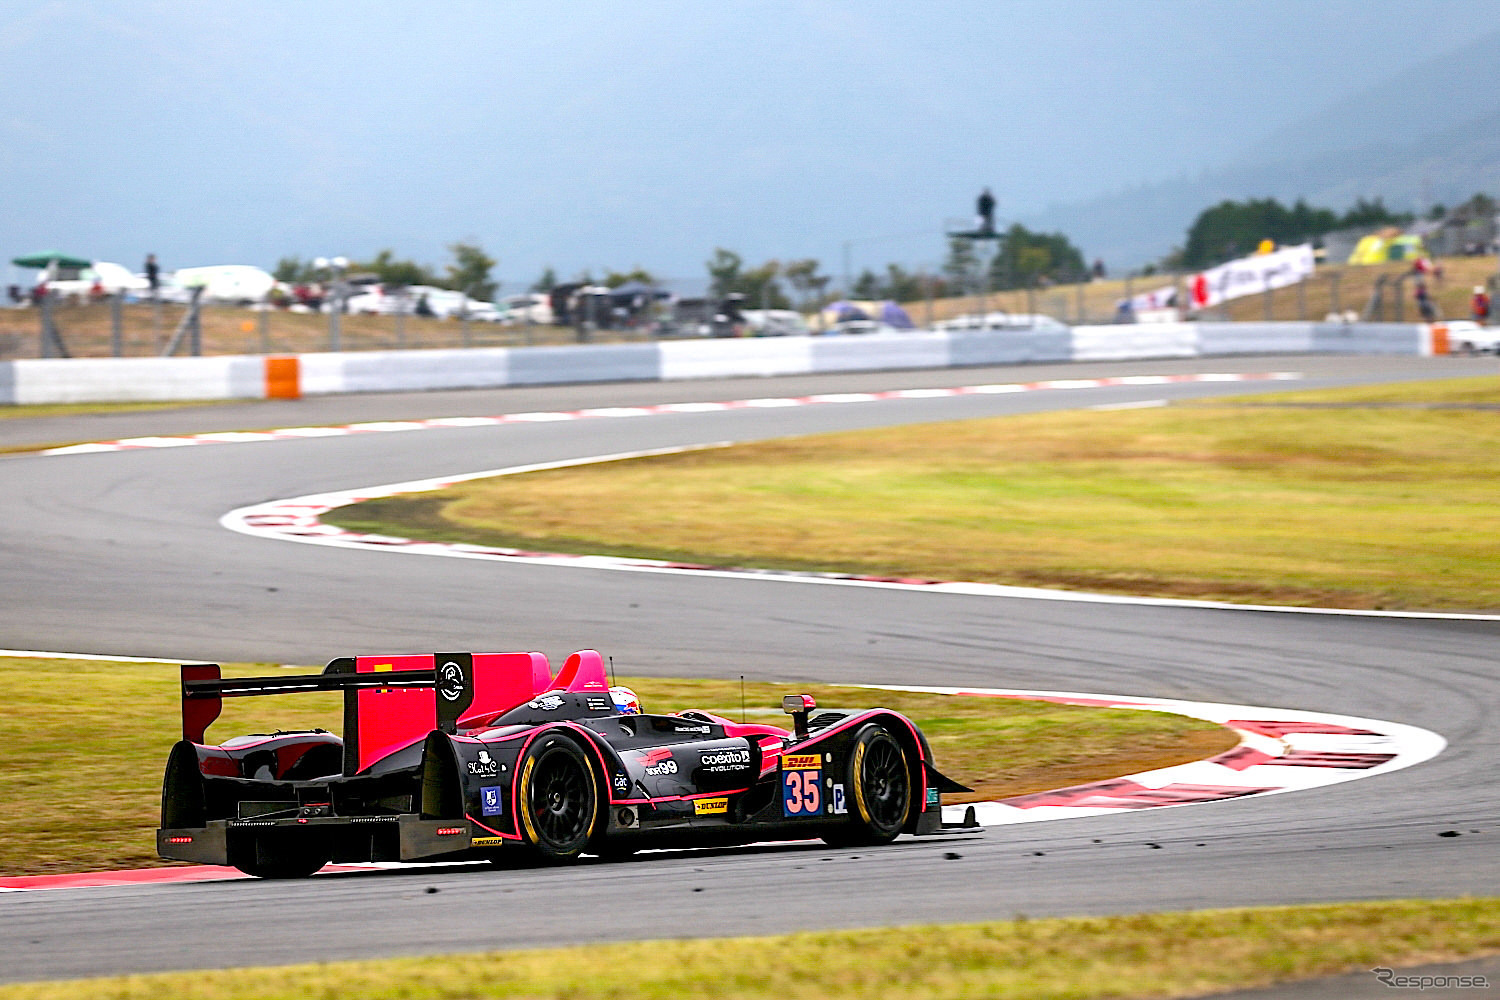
{"x": 893, "y": 315}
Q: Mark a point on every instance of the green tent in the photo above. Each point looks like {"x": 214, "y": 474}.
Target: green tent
{"x": 40, "y": 260}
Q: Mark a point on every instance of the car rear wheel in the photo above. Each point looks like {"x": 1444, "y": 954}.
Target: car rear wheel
{"x": 559, "y": 798}
{"x": 290, "y": 854}
{"x": 880, "y": 786}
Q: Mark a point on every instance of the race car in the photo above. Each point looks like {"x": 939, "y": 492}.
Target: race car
{"x": 454, "y": 756}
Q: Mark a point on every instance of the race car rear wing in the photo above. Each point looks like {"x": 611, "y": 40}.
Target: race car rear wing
{"x": 389, "y": 701}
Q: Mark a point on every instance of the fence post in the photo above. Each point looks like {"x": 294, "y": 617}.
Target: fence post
{"x": 116, "y": 324}
{"x": 1334, "y": 293}
{"x": 1270, "y": 306}
{"x": 1302, "y": 299}
{"x": 265, "y": 327}
{"x": 188, "y": 324}
{"x": 335, "y": 319}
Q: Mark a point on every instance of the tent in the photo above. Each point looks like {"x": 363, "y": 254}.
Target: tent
{"x": 893, "y": 315}
{"x": 627, "y": 292}
{"x": 1382, "y": 247}
{"x": 49, "y": 257}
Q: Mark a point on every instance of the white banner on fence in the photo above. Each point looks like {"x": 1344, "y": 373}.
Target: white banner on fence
{"x": 1250, "y": 275}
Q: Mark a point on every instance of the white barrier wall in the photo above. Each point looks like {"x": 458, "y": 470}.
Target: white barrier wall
{"x": 141, "y": 379}
{"x": 130, "y": 380}
{"x": 682, "y": 359}
{"x": 1123, "y": 341}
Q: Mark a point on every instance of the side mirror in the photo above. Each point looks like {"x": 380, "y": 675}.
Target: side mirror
{"x": 797, "y": 706}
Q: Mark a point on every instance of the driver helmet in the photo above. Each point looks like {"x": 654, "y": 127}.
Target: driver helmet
{"x": 626, "y": 703}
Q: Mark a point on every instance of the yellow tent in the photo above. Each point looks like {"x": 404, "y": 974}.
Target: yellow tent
{"x": 1386, "y": 246}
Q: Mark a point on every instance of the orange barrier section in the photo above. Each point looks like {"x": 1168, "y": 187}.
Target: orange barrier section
{"x": 1439, "y": 337}
{"x": 283, "y": 378}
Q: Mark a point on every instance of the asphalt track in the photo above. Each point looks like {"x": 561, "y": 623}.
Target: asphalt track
{"x": 122, "y": 553}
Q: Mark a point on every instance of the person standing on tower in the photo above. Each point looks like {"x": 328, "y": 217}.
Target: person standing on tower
{"x": 986, "y": 208}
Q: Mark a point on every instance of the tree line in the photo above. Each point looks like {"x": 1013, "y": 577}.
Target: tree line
{"x": 1017, "y": 258}
{"x": 468, "y": 272}
{"x": 1233, "y": 229}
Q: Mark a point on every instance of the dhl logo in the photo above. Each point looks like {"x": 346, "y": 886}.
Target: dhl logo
{"x": 801, "y": 762}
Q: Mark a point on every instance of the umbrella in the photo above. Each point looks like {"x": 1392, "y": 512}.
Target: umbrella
{"x": 46, "y": 257}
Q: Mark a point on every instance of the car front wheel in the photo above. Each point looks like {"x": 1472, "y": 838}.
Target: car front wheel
{"x": 880, "y": 786}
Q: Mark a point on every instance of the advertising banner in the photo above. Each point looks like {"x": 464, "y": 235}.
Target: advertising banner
{"x": 1250, "y": 275}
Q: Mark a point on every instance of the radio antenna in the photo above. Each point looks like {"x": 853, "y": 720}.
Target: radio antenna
{"x": 612, "y": 671}
{"x": 742, "y": 699}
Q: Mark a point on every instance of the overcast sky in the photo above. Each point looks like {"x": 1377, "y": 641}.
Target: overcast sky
{"x": 609, "y": 135}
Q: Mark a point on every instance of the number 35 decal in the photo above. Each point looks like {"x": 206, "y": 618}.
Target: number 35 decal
{"x": 802, "y": 793}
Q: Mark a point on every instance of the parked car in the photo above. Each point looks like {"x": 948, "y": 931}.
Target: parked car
{"x": 776, "y": 323}
{"x": 95, "y": 281}
{"x": 528, "y": 307}
{"x": 1467, "y": 337}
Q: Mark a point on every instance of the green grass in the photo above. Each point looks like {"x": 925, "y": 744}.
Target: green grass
{"x": 1147, "y": 955}
{"x": 76, "y": 409}
{"x": 1354, "y": 507}
{"x": 86, "y": 743}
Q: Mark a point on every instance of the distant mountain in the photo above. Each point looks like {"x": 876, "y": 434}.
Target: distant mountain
{"x": 1427, "y": 134}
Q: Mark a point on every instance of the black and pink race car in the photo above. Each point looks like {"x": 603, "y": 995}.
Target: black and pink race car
{"x": 451, "y": 756}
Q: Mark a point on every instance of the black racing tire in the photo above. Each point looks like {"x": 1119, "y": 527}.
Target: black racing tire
{"x": 282, "y": 855}
{"x": 879, "y": 796}
{"x": 558, "y": 799}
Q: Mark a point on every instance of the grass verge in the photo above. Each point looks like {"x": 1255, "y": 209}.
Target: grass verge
{"x": 25, "y": 410}
{"x": 86, "y": 743}
{"x": 1146, "y": 955}
{"x": 1364, "y": 507}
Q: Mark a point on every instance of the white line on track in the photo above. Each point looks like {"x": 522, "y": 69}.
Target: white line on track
{"x": 617, "y": 412}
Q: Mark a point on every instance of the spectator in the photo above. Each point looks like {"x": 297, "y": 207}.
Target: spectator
{"x": 1479, "y": 305}
{"x": 153, "y": 275}
{"x": 1424, "y": 302}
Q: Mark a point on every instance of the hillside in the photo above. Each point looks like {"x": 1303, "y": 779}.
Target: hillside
{"x": 1414, "y": 137}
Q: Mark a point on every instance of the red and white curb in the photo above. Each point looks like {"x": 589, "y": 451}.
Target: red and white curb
{"x": 1280, "y": 750}
{"x": 612, "y": 412}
